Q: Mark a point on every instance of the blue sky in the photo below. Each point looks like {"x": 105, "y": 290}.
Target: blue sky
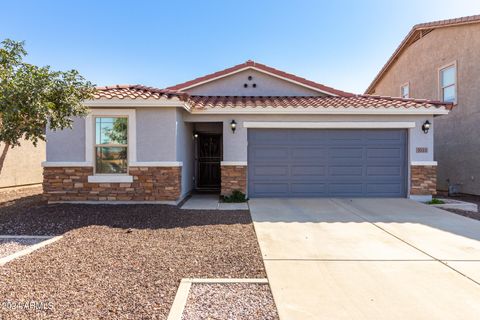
{"x": 160, "y": 43}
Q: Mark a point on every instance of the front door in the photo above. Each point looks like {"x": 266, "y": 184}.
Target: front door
{"x": 209, "y": 155}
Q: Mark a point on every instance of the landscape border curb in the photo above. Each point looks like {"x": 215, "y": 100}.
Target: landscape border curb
{"x": 27, "y": 250}
{"x": 178, "y": 305}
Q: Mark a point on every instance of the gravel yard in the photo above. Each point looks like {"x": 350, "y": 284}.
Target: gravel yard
{"x": 7, "y": 247}
{"x": 467, "y": 198}
{"x": 119, "y": 261}
{"x": 235, "y": 301}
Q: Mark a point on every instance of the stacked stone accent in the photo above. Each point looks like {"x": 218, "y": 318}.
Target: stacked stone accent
{"x": 423, "y": 180}
{"x": 233, "y": 178}
{"x": 149, "y": 184}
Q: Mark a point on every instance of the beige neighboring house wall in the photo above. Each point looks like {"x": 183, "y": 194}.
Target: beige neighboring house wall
{"x": 23, "y": 165}
{"x": 457, "y": 135}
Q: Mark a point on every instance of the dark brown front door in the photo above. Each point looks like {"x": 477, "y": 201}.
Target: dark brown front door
{"x": 209, "y": 155}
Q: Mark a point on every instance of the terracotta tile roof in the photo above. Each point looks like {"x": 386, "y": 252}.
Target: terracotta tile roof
{"x": 356, "y": 101}
{"x": 209, "y": 102}
{"x": 265, "y": 68}
{"x": 414, "y": 34}
{"x": 134, "y": 91}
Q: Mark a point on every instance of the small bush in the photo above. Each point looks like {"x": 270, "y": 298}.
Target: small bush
{"x": 236, "y": 197}
{"x": 435, "y": 201}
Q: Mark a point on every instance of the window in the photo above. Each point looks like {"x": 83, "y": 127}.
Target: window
{"x": 405, "y": 91}
{"x": 448, "y": 83}
{"x": 111, "y": 145}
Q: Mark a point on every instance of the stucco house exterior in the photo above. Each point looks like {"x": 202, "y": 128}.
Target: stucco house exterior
{"x": 440, "y": 60}
{"x": 22, "y": 165}
{"x": 251, "y": 128}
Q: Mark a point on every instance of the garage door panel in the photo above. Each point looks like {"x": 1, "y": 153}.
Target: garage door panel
{"x": 348, "y": 153}
{"x": 383, "y": 136}
{"x": 268, "y": 171}
{"x": 302, "y": 171}
{"x": 271, "y": 137}
{"x": 269, "y": 189}
{"x": 384, "y": 189}
{"x": 311, "y": 153}
{"x": 326, "y": 163}
{"x": 393, "y": 153}
{"x": 309, "y": 137}
{"x": 336, "y": 171}
{"x": 382, "y": 171}
{"x": 309, "y": 189}
{"x": 271, "y": 154}
{"x": 343, "y": 189}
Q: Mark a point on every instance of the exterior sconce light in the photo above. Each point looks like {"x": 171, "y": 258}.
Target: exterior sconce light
{"x": 426, "y": 126}
{"x": 233, "y": 126}
{"x": 195, "y": 135}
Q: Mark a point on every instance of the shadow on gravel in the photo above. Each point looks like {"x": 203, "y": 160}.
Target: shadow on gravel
{"x": 30, "y": 215}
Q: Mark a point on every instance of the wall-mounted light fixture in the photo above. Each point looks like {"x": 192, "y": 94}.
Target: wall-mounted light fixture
{"x": 426, "y": 126}
{"x": 195, "y": 135}
{"x": 233, "y": 126}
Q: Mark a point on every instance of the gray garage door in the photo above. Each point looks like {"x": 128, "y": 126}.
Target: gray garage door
{"x": 326, "y": 163}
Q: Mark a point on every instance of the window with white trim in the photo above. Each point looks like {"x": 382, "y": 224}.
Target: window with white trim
{"x": 448, "y": 83}
{"x": 111, "y": 145}
{"x": 405, "y": 91}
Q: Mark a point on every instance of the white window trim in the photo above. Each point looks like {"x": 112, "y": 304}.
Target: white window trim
{"x": 233, "y": 163}
{"x": 424, "y": 163}
{"x": 107, "y": 178}
{"x": 406, "y": 84}
{"x": 440, "y": 88}
{"x": 60, "y": 164}
{"x": 90, "y": 137}
{"x": 331, "y": 125}
{"x": 156, "y": 164}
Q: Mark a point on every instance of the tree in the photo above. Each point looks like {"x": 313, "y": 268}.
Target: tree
{"x": 33, "y": 98}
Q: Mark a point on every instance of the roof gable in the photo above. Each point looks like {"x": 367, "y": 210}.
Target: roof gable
{"x": 258, "y": 67}
{"x": 415, "y": 34}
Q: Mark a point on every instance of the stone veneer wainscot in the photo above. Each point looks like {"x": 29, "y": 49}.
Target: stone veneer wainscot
{"x": 234, "y": 177}
{"x": 149, "y": 184}
{"x": 423, "y": 180}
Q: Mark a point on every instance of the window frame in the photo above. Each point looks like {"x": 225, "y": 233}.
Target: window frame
{"x": 95, "y": 146}
{"x": 90, "y": 143}
{"x": 406, "y": 84}
{"x": 440, "y": 78}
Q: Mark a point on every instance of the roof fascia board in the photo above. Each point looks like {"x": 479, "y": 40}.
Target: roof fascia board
{"x": 167, "y": 103}
{"x": 329, "y": 124}
{"x": 352, "y": 111}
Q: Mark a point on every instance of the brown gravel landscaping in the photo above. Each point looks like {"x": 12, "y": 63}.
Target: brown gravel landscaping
{"x": 239, "y": 301}
{"x": 8, "y": 247}
{"x": 119, "y": 261}
{"x": 467, "y": 198}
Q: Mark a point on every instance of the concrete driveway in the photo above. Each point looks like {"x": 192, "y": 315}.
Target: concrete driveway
{"x": 368, "y": 259}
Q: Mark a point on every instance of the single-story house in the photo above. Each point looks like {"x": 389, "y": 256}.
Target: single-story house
{"x": 250, "y": 128}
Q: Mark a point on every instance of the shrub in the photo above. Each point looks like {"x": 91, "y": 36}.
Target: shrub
{"x": 435, "y": 201}
{"x": 235, "y": 197}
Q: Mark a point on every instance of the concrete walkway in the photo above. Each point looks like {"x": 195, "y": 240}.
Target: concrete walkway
{"x": 368, "y": 259}
{"x": 211, "y": 202}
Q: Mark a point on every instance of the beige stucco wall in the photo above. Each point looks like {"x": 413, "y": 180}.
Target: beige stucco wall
{"x": 457, "y": 143}
{"x": 23, "y": 165}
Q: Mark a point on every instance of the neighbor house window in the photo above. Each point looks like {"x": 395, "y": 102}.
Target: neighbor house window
{"x": 405, "y": 91}
{"x": 111, "y": 145}
{"x": 448, "y": 83}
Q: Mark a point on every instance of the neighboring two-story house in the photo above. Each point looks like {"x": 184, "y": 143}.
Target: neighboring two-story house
{"x": 441, "y": 61}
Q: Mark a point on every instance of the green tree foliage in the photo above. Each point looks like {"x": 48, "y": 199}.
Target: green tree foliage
{"x": 33, "y": 98}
